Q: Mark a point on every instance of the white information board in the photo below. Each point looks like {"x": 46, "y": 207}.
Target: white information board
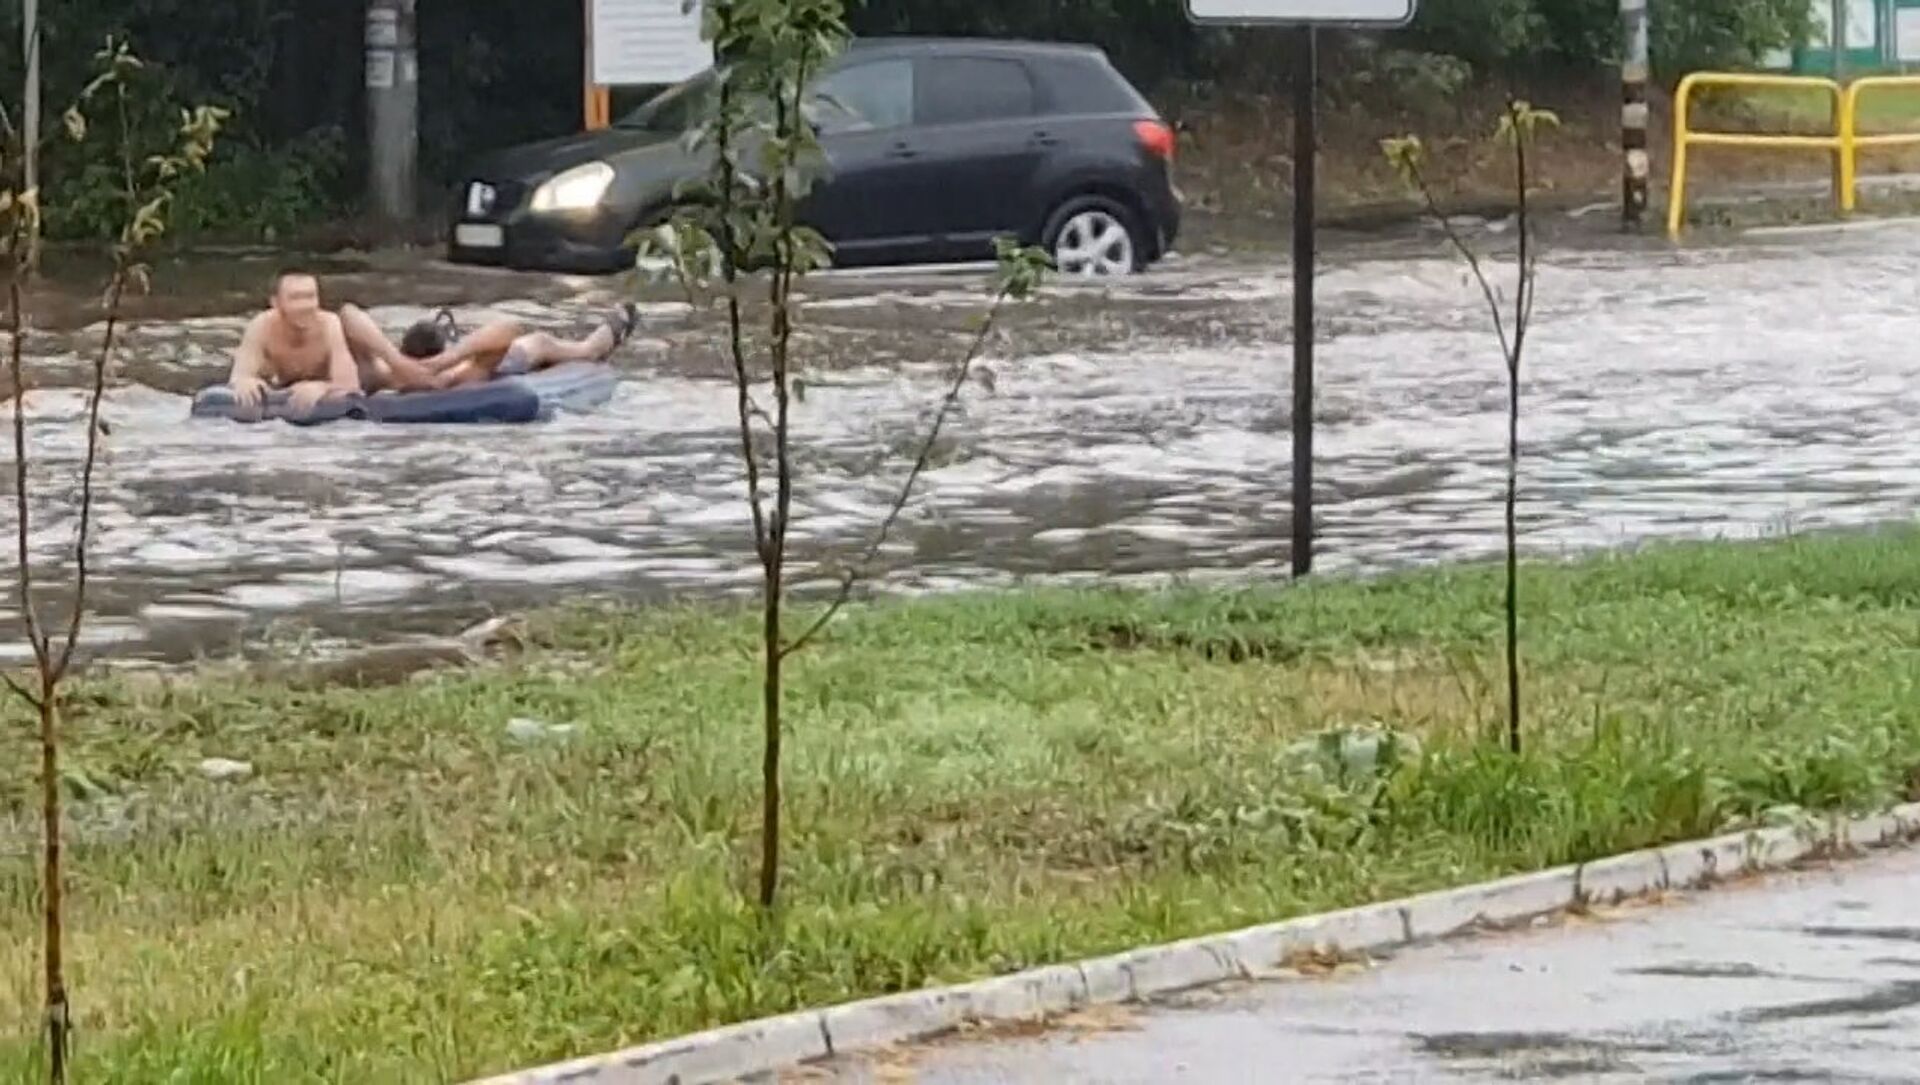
{"x": 1303, "y": 12}
{"x": 646, "y": 42}
{"x": 1863, "y": 23}
{"x": 1906, "y": 28}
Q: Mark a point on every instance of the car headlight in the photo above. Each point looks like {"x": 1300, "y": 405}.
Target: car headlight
{"x": 577, "y": 189}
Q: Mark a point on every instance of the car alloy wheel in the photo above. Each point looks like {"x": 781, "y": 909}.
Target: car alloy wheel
{"x": 1094, "y": 243}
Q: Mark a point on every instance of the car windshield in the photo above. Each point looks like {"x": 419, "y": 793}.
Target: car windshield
{"x": 675, "y": 109}
{"x": 681, "y": 106}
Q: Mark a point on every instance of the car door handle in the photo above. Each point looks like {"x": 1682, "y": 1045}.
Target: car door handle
{"x": 902, "y": 149}
{"x": 1045, "y": 139}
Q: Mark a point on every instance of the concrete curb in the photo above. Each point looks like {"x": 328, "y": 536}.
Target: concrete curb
{"x": 760, "y": 1048}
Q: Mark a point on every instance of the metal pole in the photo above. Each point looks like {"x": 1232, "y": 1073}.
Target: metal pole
{"x": 1839, "y": 47}
{"x": 30, "y": 121}
{"x": 393, "y": 103}
{"x": 1305, "y": 150}
{"x": 590, "y": 91}
{"x": 1840, "y": 42}
{"x": 1633, "y": 114}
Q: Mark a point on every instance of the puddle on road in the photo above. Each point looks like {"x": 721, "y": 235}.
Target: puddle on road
{"x": 1885, "y": 934}
{"x": 1888, "y": 998}
{"x": 1134, "y": 431}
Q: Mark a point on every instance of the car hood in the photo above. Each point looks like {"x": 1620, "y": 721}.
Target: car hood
{"x": 549, "y": 156}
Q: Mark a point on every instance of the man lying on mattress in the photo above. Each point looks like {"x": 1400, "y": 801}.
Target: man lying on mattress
{"x": 296, "y": 344}
{"x": 431, "y": 357}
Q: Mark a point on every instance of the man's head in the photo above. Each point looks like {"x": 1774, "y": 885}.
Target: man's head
{"x": 424, "y": 339}
{"x": 296, "y": 297}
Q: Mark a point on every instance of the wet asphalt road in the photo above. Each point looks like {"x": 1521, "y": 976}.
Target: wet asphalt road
{"x": 1812, "y": 976}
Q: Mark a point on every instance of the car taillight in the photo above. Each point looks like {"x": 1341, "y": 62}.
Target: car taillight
{"x": 1156, "y": 137}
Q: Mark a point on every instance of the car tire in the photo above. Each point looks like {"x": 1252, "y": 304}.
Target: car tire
{"x": 1096, "y": 237}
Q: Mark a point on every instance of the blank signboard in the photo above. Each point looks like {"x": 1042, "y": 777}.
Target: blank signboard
{"x": 647, "y": 42}
{"x": 1332, "y": 12}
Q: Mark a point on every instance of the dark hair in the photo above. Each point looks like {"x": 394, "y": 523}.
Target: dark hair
{"x": 280, "y": 277}
{"x": 424, "y": 339}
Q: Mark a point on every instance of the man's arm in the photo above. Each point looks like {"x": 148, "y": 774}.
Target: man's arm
{"x": 250, "y": 365}
{"x": 250, "y": 357}
{"x": 342, "y": 374}
{"x": 489, "y": 339}
{"x": 406, "y": 374}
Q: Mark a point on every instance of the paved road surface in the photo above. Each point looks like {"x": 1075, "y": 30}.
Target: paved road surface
{"x": 1805, "y": 977}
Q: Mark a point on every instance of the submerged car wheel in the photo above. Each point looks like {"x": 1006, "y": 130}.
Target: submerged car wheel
{"x": 1095, "y": 237}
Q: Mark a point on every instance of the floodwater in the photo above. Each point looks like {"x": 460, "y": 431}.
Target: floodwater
{"x": 1803, "y": 977}
{"x": 1132, "y": 431}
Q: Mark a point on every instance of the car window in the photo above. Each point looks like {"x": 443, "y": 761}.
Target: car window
{"x": 675, "y": 109}
{"x": 956, "y": 90}
{"x": 873, "y": 95}
{"x": 1092, "y": 86}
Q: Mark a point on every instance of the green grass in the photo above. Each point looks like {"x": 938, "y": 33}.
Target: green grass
{"x": 977, "y": 784}
{"x": 1739, "y": 108}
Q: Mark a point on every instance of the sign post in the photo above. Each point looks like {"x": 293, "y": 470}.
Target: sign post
{"x": 640, "y": 43}
{"x": 1305, "y": 17}
{"x": 393, "y": 110}
{"x": 30, "y": 112}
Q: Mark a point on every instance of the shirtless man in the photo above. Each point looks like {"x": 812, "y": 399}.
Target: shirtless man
{"x": 429, "y": 357}
{"x": 296, "y": 345}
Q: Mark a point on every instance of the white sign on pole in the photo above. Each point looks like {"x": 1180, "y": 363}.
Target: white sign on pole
{"x": 1906, "y": 28}
{"x": 647, "y": 42}
{"x": 1381, "y": 13}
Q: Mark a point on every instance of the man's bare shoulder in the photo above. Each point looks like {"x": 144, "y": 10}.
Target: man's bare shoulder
{"x": 263, "y": 325}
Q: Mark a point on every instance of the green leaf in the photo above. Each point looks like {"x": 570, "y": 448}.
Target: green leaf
{"x": 1408, "y": 157}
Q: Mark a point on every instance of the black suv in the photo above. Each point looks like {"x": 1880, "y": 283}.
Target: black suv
{"x": 934, "y": 148}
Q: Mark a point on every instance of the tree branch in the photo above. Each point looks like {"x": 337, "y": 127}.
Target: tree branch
{"x": 97, "y": 393}
{"x": 736, "y": 332}
{"x": 947, "y": 402}
{"x": 16, "y": 687}
{"x": 29, "y": 614}
{"x": 116, "y": 291}
{"x": 788, "y": 119}
{"x": 1523, "y": 295}
{"x": 1466, "y": 253}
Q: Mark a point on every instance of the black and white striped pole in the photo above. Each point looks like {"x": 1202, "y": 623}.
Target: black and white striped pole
{"x": 1633, "y": 114}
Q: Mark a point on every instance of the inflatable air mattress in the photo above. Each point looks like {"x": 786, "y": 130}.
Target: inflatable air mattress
{"x": 572, "y": 386}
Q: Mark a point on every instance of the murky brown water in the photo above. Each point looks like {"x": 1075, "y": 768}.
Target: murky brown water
{"x": 1128, "y": 432}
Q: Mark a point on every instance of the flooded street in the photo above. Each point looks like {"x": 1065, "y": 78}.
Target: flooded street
{"x": 1133, "y": 431}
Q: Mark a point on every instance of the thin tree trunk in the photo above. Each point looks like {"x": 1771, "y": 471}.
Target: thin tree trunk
{"x": 770, "y": 764}
{"x": 1513, "y": 570}
{"x": 786, "y": 114}
{"x": 57, "y": 1017}
{"x": 1522, "y": 307}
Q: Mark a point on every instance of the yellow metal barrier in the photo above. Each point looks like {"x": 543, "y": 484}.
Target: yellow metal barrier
{"x": 1840, "y": 144}
{"x": 1850, "y": 127}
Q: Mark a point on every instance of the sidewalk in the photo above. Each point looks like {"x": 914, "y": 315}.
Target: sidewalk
{"x": 1807, "y": 976}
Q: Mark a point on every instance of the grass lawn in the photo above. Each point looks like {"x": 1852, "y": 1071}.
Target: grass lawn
{"x": 1890, "y": 109}
{"x": 405, "y": 893}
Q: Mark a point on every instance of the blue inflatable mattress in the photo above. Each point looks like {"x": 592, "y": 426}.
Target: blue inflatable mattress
{"x": 571, "y": 386}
